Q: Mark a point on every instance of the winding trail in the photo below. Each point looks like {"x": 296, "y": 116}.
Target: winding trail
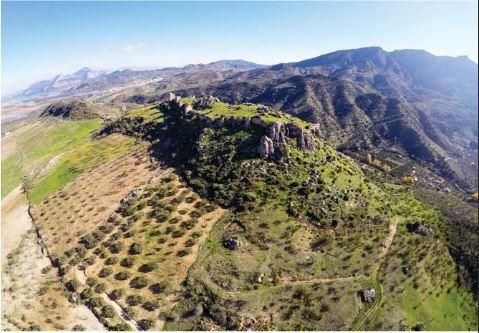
{"x": 377, "y": 285}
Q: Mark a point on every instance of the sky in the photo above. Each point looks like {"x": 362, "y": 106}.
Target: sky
{"x": 42, "y": 39}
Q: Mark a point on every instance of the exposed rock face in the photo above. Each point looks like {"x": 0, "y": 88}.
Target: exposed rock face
{"x": 368, "y": 295}
{"x": 205, "y": 102}
{"x": 277, "y": 133}
{"x": 232, "y": 243}
{"x": 304, "y": 138}
{"x": 314, "y": 129}
{"x": 266, "y": 147}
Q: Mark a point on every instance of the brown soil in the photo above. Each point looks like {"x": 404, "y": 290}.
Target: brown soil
{"x": 15, "y": 220}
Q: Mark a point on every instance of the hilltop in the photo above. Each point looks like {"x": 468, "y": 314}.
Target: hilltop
{"x": 73, "y": 110}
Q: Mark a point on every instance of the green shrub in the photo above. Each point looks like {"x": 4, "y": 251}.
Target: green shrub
{"x": 123, "y": 275}
{"x": 108, "y": 311}
{"x": 91, "y": 281}
{"x": 117, "y": 294}
{"x": 104, "y": 272}
{"x": 111, "y": 261}
{"x": 157, "y": 288}
{"x": 121, "y": 327}
{"x": 134, "y": 300}
{"x": 127, "y": 262}
{"x": 90, "y": 260}
{"x": 95, "y": 302}
{"x": 86, "y": 293}
{"x": 148, "y": 267}
{"x": 100, "y": 288}
{"x": 72, "y": 285}
{"x": 178, "y": 233}
{"x": 145, "y": 324}
{"x": 139, "y": 282}
{"x": 89, "y": 241}
{"x": 184, "y": 252}
{"x": 116, "y": 247}
{"x": 106, "y": 228}
{"x": 75, "y": 328}
{"x": 135, "y": 248}
{"x": 150, "y": 306}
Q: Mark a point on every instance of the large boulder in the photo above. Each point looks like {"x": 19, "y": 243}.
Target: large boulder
{"x": 266, "y": 147}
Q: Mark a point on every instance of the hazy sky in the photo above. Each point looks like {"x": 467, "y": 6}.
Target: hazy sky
{"x": 40, "y": 39}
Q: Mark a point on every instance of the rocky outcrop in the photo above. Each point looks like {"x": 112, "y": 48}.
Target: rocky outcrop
{"x": 205, "y": 102}
{"x": 277, "y": 133}
{"x": 315, "y": 129}
{"x": 72, "y": 110}
{"x": 304, "y": 138}
{"x": 368, "y": 295}
{"x": 266, "y": 147}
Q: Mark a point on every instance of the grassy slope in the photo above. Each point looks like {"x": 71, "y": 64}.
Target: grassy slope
{"x": 219, "y": 110}
{"x": 40, "y": 143}
{"x": 11, "y": 173}
{"x": 428, "y": 293}
{"x": 71, "y": 142}
{"x": 79, "y": 160}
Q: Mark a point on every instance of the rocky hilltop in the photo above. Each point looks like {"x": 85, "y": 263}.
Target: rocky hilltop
{"x": 72, "y": 110}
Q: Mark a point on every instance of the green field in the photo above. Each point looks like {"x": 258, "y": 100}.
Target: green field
{"x": 70, "y": 142}
{"x": 75, "y": 162}
{"x": 39, "y": 144}
{"x": 11, "y": 173}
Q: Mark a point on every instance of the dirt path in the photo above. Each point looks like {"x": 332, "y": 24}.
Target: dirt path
{"x": 81, "y": 277}
{"x": 377, "y": 285}
{"x": 15, "y": 220}
{"x": 289, "y": 282}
